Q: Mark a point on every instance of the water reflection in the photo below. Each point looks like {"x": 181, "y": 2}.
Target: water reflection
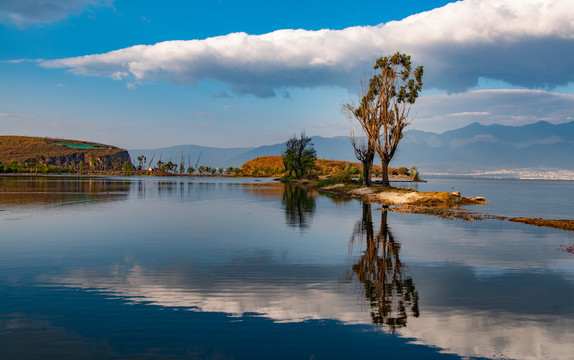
{"x": 391, "y": 294}
{"x": 299, "y": 205}
{"x": 487, "y": 289}
{"x": 34, "y": 191}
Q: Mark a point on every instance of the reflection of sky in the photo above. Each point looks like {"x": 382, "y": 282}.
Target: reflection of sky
{"x": 508, "y": 197}
{"x": 489, "y": 246}
{"x": 487, "y": 288}
{"x": 460, "y": 313}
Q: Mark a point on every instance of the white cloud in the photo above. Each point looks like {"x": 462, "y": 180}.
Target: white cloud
{"x": 470, "y": 113}
{"x": 26, "y": 12}
{"x": 19, "y": 61}
{"x": 508, "y": 107}
{"x": 204, "y": 114}
{"x": 522, "y": 42}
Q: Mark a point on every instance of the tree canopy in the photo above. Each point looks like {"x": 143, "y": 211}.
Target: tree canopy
{"x": 299, "y": 155}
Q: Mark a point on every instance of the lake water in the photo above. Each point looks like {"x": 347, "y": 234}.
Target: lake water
{"x": 206, "y": 268}
{"x": 549, "y": 199}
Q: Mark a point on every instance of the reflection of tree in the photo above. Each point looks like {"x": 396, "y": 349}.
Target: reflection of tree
{"x": 392, "y": 294}
{"x": 299, "y": 205}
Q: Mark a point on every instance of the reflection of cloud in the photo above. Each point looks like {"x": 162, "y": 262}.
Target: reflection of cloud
{"x": 500, "y": 335}
{"x": 458, "y": 44}
{"x": 280, "y": 302}
{"x": 25, "y": 12}
{"x": 464, "y": 331}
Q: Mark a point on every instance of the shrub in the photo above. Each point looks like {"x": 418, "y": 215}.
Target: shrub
{"x": 127, "y": 168}
{"x": 415, "y": 176}
{"x": 341, "y": 176}
{"x": 403, "y": 171}
{"x": 351, "y": 170}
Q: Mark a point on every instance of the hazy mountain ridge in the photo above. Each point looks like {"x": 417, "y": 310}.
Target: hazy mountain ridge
{"x": 474, "y": 147}
{"x": 484, "y": 148}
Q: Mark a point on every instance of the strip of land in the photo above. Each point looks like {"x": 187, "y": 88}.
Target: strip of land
{"x": 441, "y": 204}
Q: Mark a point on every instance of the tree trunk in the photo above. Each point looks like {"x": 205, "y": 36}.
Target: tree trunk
{"x": 385, "y": 174}
{"x": 368, "y": 169}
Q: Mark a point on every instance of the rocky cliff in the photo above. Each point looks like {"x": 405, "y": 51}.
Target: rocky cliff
{"x": 61, "y": 153}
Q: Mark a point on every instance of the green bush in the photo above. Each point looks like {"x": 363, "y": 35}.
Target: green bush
{"x": 415, "y": 175}
{"x": 403, "y": 171}
{"x": 341, "y": 176}
{"x": 351, "y": 170}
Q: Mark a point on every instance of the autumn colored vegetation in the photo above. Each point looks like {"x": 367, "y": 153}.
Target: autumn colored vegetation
{"x": 23, "y": 148}
{"x": 273, "y": 166}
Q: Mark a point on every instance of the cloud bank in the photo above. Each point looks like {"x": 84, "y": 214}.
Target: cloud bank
{"x": 443, "y": 112}
{"x": 522, "y": 42}
{"x": 26, "y": 12}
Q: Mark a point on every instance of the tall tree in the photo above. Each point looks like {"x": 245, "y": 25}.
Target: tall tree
{"x": 299, "y": 155}
{"x": 141, "y": 160}
{"x": 365, "y": 145}
{"x": 392, "y": 90}
{"x": 384, "y": 111}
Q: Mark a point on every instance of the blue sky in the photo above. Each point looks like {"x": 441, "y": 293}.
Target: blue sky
{"x": 146, "y": 74}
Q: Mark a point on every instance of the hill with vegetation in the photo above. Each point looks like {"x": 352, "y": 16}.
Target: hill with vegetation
{"x": 273, "y": 165}
{"x": 36, "y": 154}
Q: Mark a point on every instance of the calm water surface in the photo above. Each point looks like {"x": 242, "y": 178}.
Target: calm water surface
{"x": 200, "y": 268}
{"x": 550, "y": 199}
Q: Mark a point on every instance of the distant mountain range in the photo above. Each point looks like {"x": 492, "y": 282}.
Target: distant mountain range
{"x": 474, "y": 147}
